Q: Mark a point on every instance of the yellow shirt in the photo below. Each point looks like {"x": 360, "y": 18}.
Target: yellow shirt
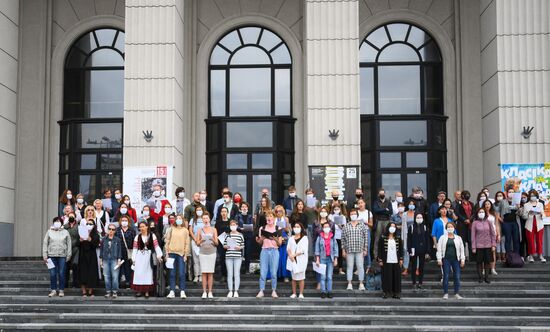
{"x": 177, "y": 241}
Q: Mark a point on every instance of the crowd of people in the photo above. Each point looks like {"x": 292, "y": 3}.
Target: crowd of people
{"x": 196, "y": 239}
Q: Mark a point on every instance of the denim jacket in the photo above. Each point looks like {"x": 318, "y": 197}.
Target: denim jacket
{"x": 320, "y": 248}
{"x": 112, "y": 252}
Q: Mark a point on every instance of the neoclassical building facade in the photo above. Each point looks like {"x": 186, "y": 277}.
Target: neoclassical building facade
{"x": 253, "y": 93}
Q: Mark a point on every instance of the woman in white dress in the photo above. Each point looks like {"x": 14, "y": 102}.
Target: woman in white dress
{"x": 207, "y": 240}
{"x": 296, "y": 263}
{"x": 145, "y": 243}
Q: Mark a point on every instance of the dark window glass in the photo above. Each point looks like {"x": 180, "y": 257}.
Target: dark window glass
{"x": 99, "y": 135}
{"x": 249, "y": 134}
{"x": 390, "y": 159}
{"x": 417, "y": 159}
{"x": 399, "y": 89}
{"x": 236, "y": 161}
{"x": 111, "y": 161}
{"x": 88, "y": 161}
{"x": 104, "y": 97}
{"x": 403, "y": 133}
{"x": 417, "y": 180}
{"x": 367, "y": 90}
{"x": 391, "y": 182}
{"x": 262, "y": 160}
{"x": 433, "y": 89}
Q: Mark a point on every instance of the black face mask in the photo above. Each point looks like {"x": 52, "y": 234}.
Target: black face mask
{"x": 71, "y": 219}
{"x": 467, "y": 197}
{"x": 382, "y": 196}
{"x": 358, "y": 196}
{"x": 335, "y": 198}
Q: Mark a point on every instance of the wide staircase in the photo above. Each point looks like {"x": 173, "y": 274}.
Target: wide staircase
{"x": 516, "y": 299}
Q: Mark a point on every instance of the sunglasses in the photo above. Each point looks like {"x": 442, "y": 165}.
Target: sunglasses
{"x": 112, "y": 229}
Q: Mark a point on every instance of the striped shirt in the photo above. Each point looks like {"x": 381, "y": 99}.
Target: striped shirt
{"x": 239, "y": 239}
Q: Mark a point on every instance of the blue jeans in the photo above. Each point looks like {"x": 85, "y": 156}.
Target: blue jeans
{"x": 111, "y": 275}
{"x": 233, "y": 271}
{"x": 57, "y": 274}
{"x": 326, "y": 280}
{"x": 179, "y": 267}
{"x": 510, "y": 232}
{"x": 368, "y": 260}
{"x": 269, "y": 261}
{"x": 447, "y": 266}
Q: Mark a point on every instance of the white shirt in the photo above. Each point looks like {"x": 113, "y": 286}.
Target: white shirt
{"x": 364, "y": 215}
{"x": 392, "y": 251}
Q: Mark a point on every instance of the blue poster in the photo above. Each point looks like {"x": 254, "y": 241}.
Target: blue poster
{"x": 524, "y": 177}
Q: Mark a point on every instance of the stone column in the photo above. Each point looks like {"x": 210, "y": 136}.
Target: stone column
{"x": 153, "y": 83}
{"x": 332, "y": 79}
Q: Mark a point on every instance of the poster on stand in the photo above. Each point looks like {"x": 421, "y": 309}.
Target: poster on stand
{"x": 143, "y": 184}
{"x": 324, "y": 179}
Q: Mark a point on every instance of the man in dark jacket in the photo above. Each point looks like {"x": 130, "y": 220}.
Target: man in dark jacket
{"x": 382, "y": 211}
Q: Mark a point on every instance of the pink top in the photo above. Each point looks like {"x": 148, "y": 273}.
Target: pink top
{"x": 483, "y": 235}
{"x": 269, "y": 244}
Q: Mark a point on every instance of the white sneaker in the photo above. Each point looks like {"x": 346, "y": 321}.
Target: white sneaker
{"x": 210, "y": 295}
{"x": 445, "y": 296}
{"x": 230, "y": 294}
{"x": 235, "y": 294}
{"x": 171, "y": 295}
{"x": 458, "y": 297}
{"x": 494, "y": 272}
{"x": 183, "y": 295}
{"x": 196, "y": 279}
{"x": 204, "y": 295}
{"x": 350, "y": 286}
{"x": 293, "y": 296}
{"x": 52, "y": 294}
{"x": 200, "y": 278}
{"x": 62, "y": 293}
{"x": 274, "y": 295}
{"x": 361, "y": 286}
{"x": 260, "y": 294}
{"x": 542, "y": 259}
{"x": 530, "y": 259}
{"x": 301, "y": 296}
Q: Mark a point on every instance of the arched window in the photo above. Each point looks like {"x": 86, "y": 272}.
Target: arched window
{"x": 91, "y": 129}
{"x": 250, "y": 129}
{"x": 402, "y": 117}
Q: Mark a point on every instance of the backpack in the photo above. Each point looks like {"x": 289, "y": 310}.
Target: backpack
{"x": 373, "y": 280}
{"x": 514, "y": 260}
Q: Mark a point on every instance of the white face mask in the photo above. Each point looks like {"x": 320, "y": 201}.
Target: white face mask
{"x": 233, "y": 228}
{"x": 123, "y": 210}
{"x": 181, "y": 194}
{"x": 499, "y": 198}
{"x": 179, "y": 222}
{"x": 227, "y": 200}
{"x": 202, "y": 197}
{"x": 292, "y": 194}
{"x": 69, "y": 196}
{"x": 326, "y": 230}
{"x": 80, "y": 200}
{"x": 124, "y": 223}
{"x": 199, "y": 213}
{"x": 353, "y": 217}
{"x": 392, "y": 229}
{"x": 57, "y": 225}
{"x": 90, "y": 227}
{"x": 126, "y": 202}
{"x": 401, "y": 209}
{"x": 244, "y": 211}
{"x": 118, "y": 196}
{"x": 337, "y": 212}
{"x": 156, "y": 193}
{"x": 297, "y": 230}
{"x": 419, "y": 220}
{"x": 310, "y": 195}
{"x": 399, "y": 199}
{"x": 146, "y": 213}
{"x": 534, "y": 198}
{"x": 168, "y": 210}
{"x": 323, "y": 214}
{"x": 481, "y": 215}
{"x": 450, "y": 230}
{"x": 412, "y": 206}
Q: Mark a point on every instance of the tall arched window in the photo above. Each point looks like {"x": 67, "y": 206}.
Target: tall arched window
{"x": 250, "y": 129}
{"x": 402, "y": 118}
{"x": 91, "y": 129}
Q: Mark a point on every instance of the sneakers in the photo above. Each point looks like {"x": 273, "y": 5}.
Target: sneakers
{"x": 230, "y": 294}
{"x": 494, "y": 272}
{"x": 361, "y": 286}
{"x": 61, "y": 293}
{"x": 107, "y": 295}
{"x": 260, "y": 294}
{"x": 200, "y": 278}
{"x": 445, "y": 296}
{"x": 115, "y": 295}
{"x": 301, "y": 296}
{"x": 274, "y": 295}
{"x": 293, "y": 296}
{"x": 542, "y": 259}
{"x": 204, "y": 295}
{"x": 52, "y": 294}
{"x": 286, "y": 280}
{"x": 196, "y": 279}
{"x": 323, "y": 295}
{"x": 329, "y": 295}
{"x": 235, "y": 294}
{"x": 350, "y": 286}
{"x": 458, "y": 297}
{"x": 171, "y": 295}
{"x": 530, "y": 259}
{"x": 210, "y": 295}
{"x": 183, "y": 295}
{"x": 342, "y": 273}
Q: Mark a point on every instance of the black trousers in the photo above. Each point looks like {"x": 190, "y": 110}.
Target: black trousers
{"x": 420, "y": 259}
{"x": 391, "y": 278}
{"x": 220, "y": 262}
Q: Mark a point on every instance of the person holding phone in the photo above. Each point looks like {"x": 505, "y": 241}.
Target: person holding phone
{"x": 270, "y": 241}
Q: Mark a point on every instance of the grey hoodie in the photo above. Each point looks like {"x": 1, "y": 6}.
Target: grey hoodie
{"x": 57, "y": 243}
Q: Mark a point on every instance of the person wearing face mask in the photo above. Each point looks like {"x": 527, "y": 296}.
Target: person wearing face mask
{"x": 450, "y": 256}
{"x": 157, "y": 201}
{"x": 290, "y": 201}
{"x": 177, "y": 247}
{"x": 282, "y": 222}
{"x": 131, "y": 211}
{"x": 79, "y": 206}
{"x": 219, "y": 202}
{"x": 237, "y": 200}
{"x": 65, "y": 199}
{"x": 432, "y": 214}
{"x": 269, "y": 238}
{"x": 122, "y": 211}
{"x": 101, "y": 218}
{"x": 481, "y": 198}
{"x": 297, "y": 250}
{"x": 326, "y": 252}
{"x": 264, "y": 194}
{"x": 145, "y": 216}
{"x": 72, "y": 264}
{"x": 205, "y": 202}
{"x": 403, "y": 223}
{"x": 352, "y": 204}
{"x": 207, "y": 240}
{"x": 66, "y": 212}
{"x": 398, "y": 199}
{"x": 382, "y": 212}
{"x": 115, "y": 202}
{"x": 421, "y": 203}
{"x": 222, "y": 227}
{"x": 336, "y": 199}
{"x": 180, "y": 203}
{"x": 338, "y": 221}
{"x": 488, "y": 194}
{"x": 510, "y": 227}
{"x": 88, "y": 268}
{"x": 523, "y": 245}
{"x": 234, "y": 245}
{"x": 145, "y": 245}
{"x": 126, "y": 234}
{"x": 232, "y": 208}
{"x": 483, "y": 244}
{"x": 164, "y": 220}
{"x": 110, "y": 259}
{"x": 189, "y": 211}
{"x": 418, "y": 246}
{"x": 494, "y": 219}
{"x": 355, "y": 247}
{"x": 195, "y": 225}
{"x": 57, "y": 246}
{"x": 466, "y": 214}
{"x": 390, "y": 250}
{"x": 316, "y": 231}
{"x": 534, "y": 227}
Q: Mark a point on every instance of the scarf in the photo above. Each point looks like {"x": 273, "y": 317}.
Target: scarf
{"x": 327, "y": 238}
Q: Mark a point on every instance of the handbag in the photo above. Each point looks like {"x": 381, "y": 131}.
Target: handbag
{"x": 129, "y": 252}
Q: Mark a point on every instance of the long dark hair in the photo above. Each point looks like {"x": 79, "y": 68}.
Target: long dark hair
{"x": 141, "y": 244}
